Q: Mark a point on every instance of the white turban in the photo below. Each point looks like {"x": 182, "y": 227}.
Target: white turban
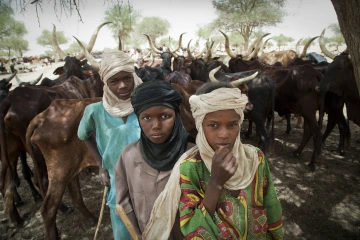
{"x": 112, "y": 63}
{"x": 246, "y": 155}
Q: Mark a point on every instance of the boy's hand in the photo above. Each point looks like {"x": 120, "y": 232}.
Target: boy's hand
{"x": 104, "y": 177}
{"x": 224, "y": 166}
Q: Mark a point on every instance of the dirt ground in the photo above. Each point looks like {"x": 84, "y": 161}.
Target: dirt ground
{"x": 319, "y": 205}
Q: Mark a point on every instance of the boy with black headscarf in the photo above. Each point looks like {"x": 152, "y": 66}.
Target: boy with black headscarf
{"x": 145, "y": 166}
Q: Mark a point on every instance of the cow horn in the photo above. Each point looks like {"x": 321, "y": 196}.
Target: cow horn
{"x": 254, "y": 54}
{"x": 7, "y": 80}
{"x": 152, "y": 44}
{"x": 262, "y": 47}
{"x": 88, "y": 56}
{"x": 91, "y": 44}
{"x": 180, "y": 42}
{"x": 244, "y": 80}
{"x": 120, "y": 43}
{"x": 201, "y": 53}
{"x": 56, "y": 45}
{"x": 297, "y": 46}
{"x": 18, "y": 80}
{"x": 152, "y": 60}
{"x": 227, "y": 46}
{"x": 189, "y": 52}
{"x": 35, "y": 81}
{"x": 323, "y": 46}
{"x": 303, "y": 54}
{"x": 212, "y": 74}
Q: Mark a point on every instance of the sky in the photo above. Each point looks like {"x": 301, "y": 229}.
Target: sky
{"x": 305, "y": 18}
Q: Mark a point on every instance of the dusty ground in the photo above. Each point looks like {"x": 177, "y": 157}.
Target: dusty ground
{"x": 324, "y": 204}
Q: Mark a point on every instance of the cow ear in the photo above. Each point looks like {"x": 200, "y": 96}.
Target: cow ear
{"x": 83, "y": 62}
{"x": 59, "y": 71}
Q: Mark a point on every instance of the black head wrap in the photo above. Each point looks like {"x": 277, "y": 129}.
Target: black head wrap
{"x": 161, "y": 156}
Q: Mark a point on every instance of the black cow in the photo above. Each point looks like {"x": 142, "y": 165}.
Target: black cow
{"x": 295, "y": 93}
{"x": 340, "y": 87}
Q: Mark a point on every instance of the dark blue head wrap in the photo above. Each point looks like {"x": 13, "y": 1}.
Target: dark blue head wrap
{"x": 161, "y": 156}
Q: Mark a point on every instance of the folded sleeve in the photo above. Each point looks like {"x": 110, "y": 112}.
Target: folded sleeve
{"x": 87, "y": 123}
{"x": 195, "y": 221}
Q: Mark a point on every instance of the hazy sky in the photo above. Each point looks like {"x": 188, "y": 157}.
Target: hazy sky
{"x": 306, "y": 18}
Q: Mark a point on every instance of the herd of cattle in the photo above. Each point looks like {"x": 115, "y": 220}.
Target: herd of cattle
{"x": 42, "y": 119}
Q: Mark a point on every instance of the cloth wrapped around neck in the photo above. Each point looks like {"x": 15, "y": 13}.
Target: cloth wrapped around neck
{"x": 113, "y": 62}
{"x": 163, "y": 156}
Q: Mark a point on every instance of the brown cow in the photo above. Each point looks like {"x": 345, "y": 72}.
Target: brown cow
{"x": 65, "y": 156}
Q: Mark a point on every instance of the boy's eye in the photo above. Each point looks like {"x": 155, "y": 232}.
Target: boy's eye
{"x": 212, "y": 125}
{"x": 233, "y": 124}
{"x": 146, "y": 118}
{"x": 165, "y": 116}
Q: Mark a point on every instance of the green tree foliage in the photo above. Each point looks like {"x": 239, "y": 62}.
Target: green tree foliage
{"x": 74, "y": 47}
{"x": 154, "y": 27}
{"x": 169, "y": 42}
{"x": 337, "y": 39}
{"x": 11, "y": 33}
{"x": 205, "y": 32}
{"x": 124, "y": 18}
{"x": 45, "y": 38}
{"x": 245, "y": 16}
{"x": 282, "y": 41}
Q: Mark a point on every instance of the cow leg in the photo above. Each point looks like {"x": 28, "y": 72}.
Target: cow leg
{"x": 8, "y": 183}
{"x": 344, "y": 131}
{"x": 50, "y": 206}
{"x": 74, "y": 192}
{"x": 249, "y": 131}
{"x": 299, "y": 121}
{"x": 329, "y": 127}
{"x": 27, "y": 173}
{"x": 288, "y": 123}
{"x": 17, "y": 199}
{"x": 8, "y": 191}
{"x": 310, "y": 129}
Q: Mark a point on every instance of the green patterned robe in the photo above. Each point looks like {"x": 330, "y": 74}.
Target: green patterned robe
{"x": 255, "y": 214}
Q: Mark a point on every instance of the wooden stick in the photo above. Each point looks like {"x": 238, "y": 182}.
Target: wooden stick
{"x": 101, "y": 212}
{"x": 120, "y": 210}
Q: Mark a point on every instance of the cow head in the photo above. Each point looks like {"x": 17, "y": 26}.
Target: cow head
{"x": 5, "y": 84}
{"x": 338, "y": 71}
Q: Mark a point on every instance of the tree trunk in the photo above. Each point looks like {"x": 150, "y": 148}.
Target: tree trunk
{"x": 348, "y": 14}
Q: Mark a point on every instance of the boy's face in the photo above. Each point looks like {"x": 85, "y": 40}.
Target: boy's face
{"x": 121, "y": 84}
{"x": 157, "y": 123}
{"x": 221, "y": 128}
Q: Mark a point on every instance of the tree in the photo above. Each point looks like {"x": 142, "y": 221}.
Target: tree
{"x": 349, "y": 20}
{"x": 45, "y": 38}
{"x": 245, "y": 16}
{"x": 282, "y": 41}
{"x": 123, "y": 18}
{"x": 11, "y": 33}
{"x": 154, "y": 27}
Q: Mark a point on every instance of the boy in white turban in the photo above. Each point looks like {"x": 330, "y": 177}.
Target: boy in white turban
{"x": 221, "y": 187}
{"x": 108, "y": 126}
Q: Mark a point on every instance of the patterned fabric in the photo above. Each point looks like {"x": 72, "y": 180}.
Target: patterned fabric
{"x": 255, "y": 214}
